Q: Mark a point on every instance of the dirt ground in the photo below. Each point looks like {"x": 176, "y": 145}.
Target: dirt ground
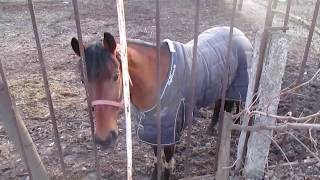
{"x": 57, "y": 26}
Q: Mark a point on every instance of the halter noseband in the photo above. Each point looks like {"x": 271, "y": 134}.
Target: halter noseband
{"x": 118, "y": 104}
{"x": 108, "y": 103}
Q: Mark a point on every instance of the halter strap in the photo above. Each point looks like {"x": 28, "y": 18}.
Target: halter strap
{"x": 107, "y": 103}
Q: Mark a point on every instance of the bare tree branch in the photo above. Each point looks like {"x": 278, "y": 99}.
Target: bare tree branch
{"x": 297, "y": 119}
{"x": 312, "y": 153}
{"x": 291, "y": 88}
{"x": 279, "y": 127}
{"x": 308, "y": 162}
{"x": 285, "y": 91}
{"x": 279, "y": 147}
{"x": 302, "y": 84}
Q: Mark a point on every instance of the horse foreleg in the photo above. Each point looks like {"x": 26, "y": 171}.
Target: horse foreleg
{"x": 214, "y": 119}
{"x": 228, "y": 105}
{"x": 238, "y": 105}
{"x": 216, "y": 111}
{"x": 168, "y": 162}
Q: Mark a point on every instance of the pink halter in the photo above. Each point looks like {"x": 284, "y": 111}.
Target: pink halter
{"x": 108, "y": 103}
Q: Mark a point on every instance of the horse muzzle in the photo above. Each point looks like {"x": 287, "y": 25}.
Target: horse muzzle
{"x": 108, "y": 142}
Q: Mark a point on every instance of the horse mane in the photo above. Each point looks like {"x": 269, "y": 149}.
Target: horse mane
{"x": 97, "y": 59}
{"x": 141, "y": 42}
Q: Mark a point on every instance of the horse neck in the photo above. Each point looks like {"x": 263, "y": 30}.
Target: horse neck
{"x": 142, "y": 69}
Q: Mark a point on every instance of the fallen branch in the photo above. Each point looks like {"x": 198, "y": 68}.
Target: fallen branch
{"x": 297, "y": 19}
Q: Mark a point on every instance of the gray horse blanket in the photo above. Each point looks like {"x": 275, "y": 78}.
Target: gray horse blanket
{"x": 210, "y": 69}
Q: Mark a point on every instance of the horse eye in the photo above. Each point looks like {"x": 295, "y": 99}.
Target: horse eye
{"x": 82, "y": 81}
{"x": 115, "y": 77}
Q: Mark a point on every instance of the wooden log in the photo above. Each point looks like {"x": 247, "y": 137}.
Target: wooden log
{"x": 9, "y": 114}
{"x": 270, "y": 87}
{"x": 224, "y": 150}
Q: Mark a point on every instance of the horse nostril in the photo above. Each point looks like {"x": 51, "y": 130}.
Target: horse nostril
{"x": 109, "y": 141}
{"x": 113, "y": 135}
{"x": 97, "y": 140}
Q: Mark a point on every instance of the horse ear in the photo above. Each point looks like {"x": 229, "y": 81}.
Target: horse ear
{"x": 75, "y": 46}
{"x": 109, "y": 42}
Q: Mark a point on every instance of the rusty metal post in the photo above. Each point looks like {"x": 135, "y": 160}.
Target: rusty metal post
{"x": 263, "y": 45}
{"x": 286, "y": 18}
{"x": 159, "y": 160}
{"x": 274, "y": 6}
{"x": 193, "y": 78}
{"x": 225, "y": 80}
{"x": 47, "y": 88}
{"x": 240, "y": 5}
{"x": 307, "y": 49}
{"x": 85, "y": 78}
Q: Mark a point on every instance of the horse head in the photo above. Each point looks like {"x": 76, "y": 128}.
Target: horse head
{"x": 104, "y": 86}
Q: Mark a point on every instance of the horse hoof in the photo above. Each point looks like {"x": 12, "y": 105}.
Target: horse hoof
{"x": 172, "y": 166}
{"x": 165, "y": 174}
{"x": 211, "y": 131}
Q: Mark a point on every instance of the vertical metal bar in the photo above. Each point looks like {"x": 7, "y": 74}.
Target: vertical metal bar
{"x": 126, "y": 90}
{"x": 193, "y": 79}
{"x": 307, "y": 49}
{"x": 240, "y": 5}
{"x": 274, "y": 6}
{"x": 85, "y": 78}
{"x": 47, "y": 88}
{"x": 225, "y": 78}
{"x": 286, "y": 18}
{"x": 263, "y": 45}
{"x": 159, "y": 162}
{"x": 6, "y": 87}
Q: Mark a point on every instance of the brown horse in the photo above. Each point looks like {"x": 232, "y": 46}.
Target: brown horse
{"x": 105, "y": 85}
